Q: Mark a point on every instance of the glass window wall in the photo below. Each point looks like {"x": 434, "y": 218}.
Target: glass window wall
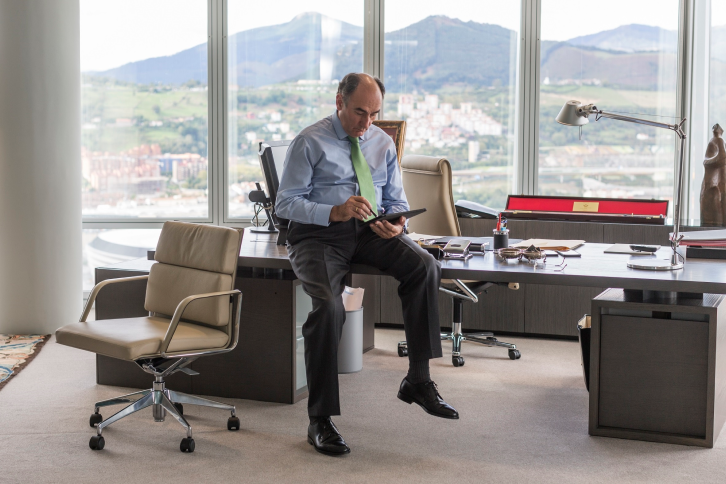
{"x": 283, "y": 72}
{"x": 451, "y": 73}
{"x": 106, "y": 247}
{"x": 622, "y": 56}
{"x": 717, "y": 66}
{"x": 144, "y": 109}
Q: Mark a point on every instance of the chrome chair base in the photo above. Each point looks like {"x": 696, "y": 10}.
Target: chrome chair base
{"x": 457, "y": 337}
{"x": 162, "y": 400}
{"x": 484, "y": 338}
{"x": 460, "y": 292}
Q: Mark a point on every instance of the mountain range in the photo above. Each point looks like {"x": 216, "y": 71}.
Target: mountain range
{"x": 630, "y": 38}
{"x": 433, "y": 52}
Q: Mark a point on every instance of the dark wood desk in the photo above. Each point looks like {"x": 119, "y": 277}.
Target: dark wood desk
{"x": 593, "y": 269}
{"x": 636, "y": 330}
{"x": 676, "y": 305}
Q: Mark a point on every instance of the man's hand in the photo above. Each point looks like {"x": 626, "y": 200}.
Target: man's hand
{"x": 387, "y": 230}
{"x": 354, "y": 207}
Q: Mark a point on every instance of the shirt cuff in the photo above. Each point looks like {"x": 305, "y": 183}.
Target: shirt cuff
{"x": 322, "y": 215}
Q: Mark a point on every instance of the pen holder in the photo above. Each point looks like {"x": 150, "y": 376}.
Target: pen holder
{"x": 501, "y": 239}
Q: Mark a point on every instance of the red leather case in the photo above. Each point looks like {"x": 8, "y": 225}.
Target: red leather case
{"x": 585, "y": 209}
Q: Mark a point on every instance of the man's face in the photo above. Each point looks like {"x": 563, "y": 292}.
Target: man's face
{"x": 362, "y": 108}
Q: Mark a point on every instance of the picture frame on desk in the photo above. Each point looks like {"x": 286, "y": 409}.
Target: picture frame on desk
{"x": 397, "y": 131}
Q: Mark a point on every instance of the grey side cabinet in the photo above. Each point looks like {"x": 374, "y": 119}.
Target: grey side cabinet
{"x": 658, "y": 368}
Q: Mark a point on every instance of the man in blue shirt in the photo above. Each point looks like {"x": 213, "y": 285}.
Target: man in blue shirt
{"x": 330, "y": 168}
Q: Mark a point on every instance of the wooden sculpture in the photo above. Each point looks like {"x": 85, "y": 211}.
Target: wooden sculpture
{"x": 713, "y": 198}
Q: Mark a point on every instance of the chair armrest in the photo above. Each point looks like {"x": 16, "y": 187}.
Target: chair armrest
{"x": 97, "y": 288}
{"x": 469, "y": 295}
{"x": 465, "y": 293}
{"x": 179, "y": 311}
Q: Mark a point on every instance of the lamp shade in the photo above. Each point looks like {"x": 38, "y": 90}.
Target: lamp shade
{"x": 569, "y": 115}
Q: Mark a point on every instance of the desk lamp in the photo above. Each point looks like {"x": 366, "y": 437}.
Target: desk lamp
{"x": 574, "y": 113}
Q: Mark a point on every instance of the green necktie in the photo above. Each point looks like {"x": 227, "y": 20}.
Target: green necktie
{"x": 363, "y": 173}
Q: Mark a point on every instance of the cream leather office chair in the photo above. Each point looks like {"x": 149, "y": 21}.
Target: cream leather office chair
{"x": 427, "y": 183}
{"x": 194, "y": 311}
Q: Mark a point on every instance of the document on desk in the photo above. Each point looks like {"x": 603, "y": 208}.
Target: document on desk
{"x": 416, "y": 237}
{"x": 549, "y": 244}
{"x": 703, "y": 238}
{"x": 625, "y": 249}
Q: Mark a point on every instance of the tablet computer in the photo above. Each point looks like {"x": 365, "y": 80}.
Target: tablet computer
{"x": 395, "y": 216}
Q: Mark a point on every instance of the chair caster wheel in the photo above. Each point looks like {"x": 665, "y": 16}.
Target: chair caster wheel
{"x": 97, "y": 442}
{"x": 95, "y": 419}
{"x": 232, "y": 423}
{"x": 402, "y": 351}
{"x": 187, "y": 445}
{"x": 457, "y": 360}
{"x": 179, "y": 408}
{"x": 514, "y": 354}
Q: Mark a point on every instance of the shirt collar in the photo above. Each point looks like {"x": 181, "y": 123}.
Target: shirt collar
{"x": 340, "y": 132}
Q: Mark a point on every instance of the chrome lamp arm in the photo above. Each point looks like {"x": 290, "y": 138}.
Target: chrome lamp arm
{"x": 573, "y": 113}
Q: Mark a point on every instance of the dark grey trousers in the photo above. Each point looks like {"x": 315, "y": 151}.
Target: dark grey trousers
{"x": 321, "y": 258}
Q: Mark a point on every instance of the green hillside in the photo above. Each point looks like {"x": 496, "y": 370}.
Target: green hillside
{"x": 108, "y": 104}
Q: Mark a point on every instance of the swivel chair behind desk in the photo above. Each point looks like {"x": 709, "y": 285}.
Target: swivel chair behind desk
{"x": 427, "y": 183}
{"x": 272, "y": 160}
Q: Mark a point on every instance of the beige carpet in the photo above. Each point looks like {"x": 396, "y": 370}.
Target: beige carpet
{"x": 522, "y": 421}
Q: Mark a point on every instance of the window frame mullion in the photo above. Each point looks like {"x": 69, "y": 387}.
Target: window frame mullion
{"x": 216, "y": 112}
{"x": 373, "y": 37}
{"x": 527, "y": 157}
{"x": 697, "y": 102}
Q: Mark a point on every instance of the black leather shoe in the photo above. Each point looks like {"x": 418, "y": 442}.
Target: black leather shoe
{"x": 426, "y": 395}
{"x": 325, "y": 437}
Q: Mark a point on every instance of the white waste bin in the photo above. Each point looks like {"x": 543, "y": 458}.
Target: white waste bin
{"x": 350, "y": 349}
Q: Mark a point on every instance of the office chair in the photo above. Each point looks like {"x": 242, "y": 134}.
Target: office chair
{"x": 194, "y": 311}
{"x": 396, "y": 129}
{"x": 272, "y": 156}
{"x": 427, "y": 183}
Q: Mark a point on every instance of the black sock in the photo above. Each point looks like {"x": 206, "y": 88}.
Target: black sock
{"x": 418, "y": 371}
{"x": 313, "y": 419}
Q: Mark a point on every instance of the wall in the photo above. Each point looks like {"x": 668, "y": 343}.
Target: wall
{"x": 40, "y": 172}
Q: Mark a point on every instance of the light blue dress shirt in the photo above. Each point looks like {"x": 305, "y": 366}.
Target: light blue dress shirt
{"x": 319, "y": 174}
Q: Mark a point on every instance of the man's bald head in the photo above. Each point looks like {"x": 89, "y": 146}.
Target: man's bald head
{"x": 359, "y": 102}
{"x": 350, "y": 83}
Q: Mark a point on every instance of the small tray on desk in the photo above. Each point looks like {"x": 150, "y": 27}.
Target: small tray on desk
{"x": 476, "y": 242}
{"x": 695, "y": 252}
